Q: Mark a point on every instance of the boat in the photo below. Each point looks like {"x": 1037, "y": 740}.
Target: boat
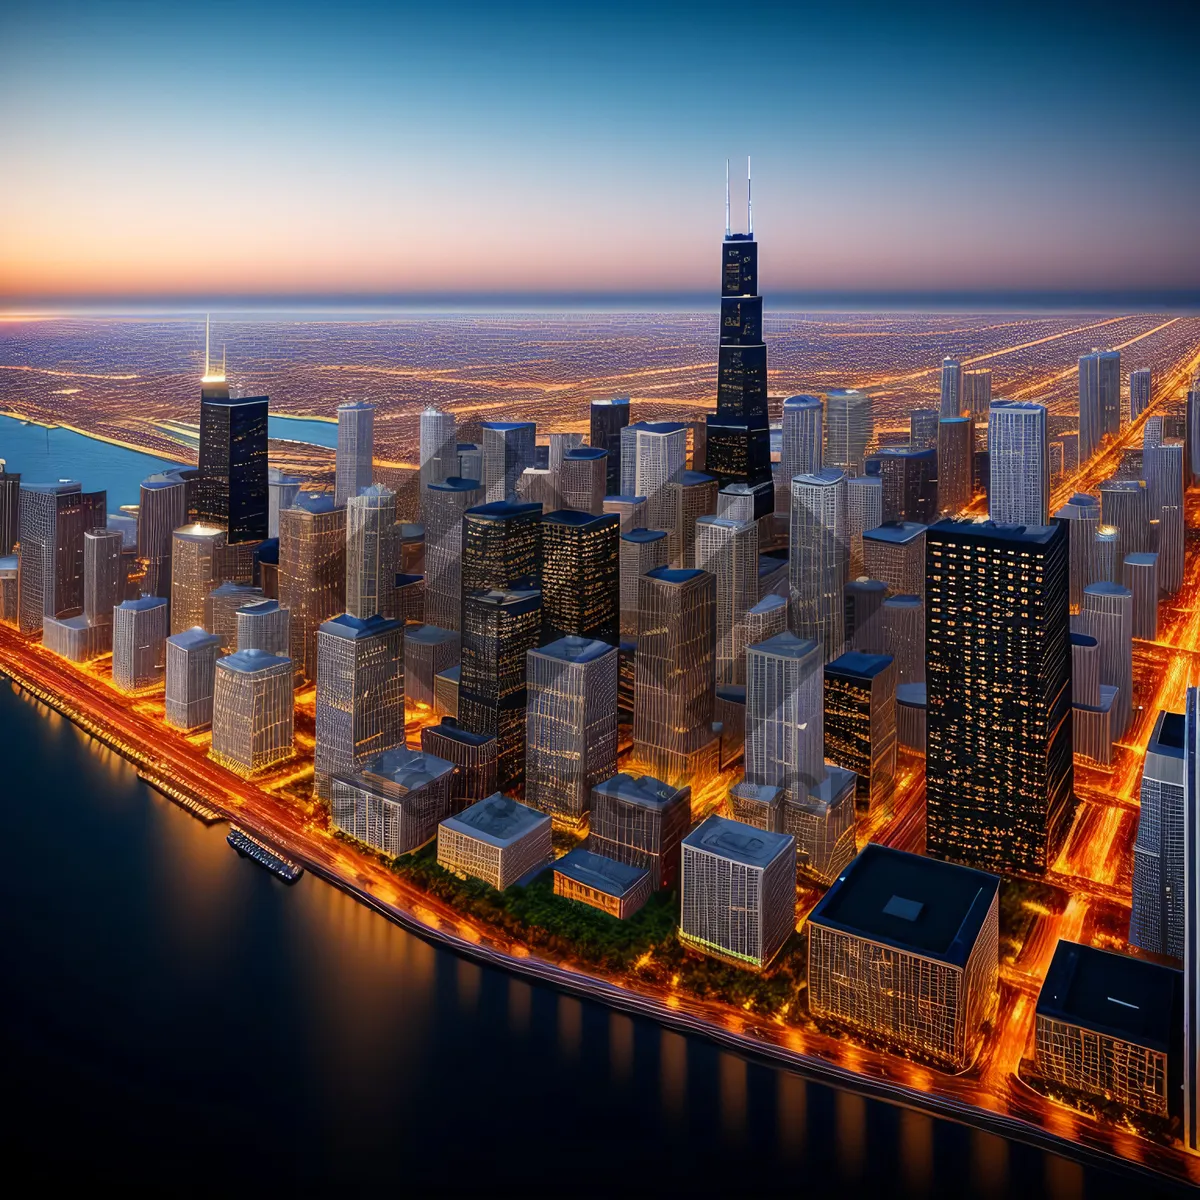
{"x": 250, "y": 847}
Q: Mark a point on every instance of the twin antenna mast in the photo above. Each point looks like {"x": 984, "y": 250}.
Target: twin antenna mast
{"x": 749, "y": 202}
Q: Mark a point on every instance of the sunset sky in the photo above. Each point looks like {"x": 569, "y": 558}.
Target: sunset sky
{"x": 264, "y": 149}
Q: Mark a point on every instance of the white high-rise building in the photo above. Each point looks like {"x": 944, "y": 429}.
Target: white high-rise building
{"x": 864, "y": 511}
{"x": 372, "y": 552}
{"x": 191, "y": 670}
{"x": 819, "y": 557}
{"x": 660, "y": 449}
{"x": 445, "y": 504}
{"x": 355, "y": 449}
{"x": 253, "y": 707}
{"x": 728, "y": 550}
{"x": 139, "y": 636}
{"x": 802, "y": 450}
{"x": 439, "y": 448}
{"x": 264, "y": 625}
{"x": 951, "y": 405}
{"x": 1019, "y": 461}
{"x": 509, "y": 447}
{"x": 849, "y": 427}
{"x": 282, "y": 490}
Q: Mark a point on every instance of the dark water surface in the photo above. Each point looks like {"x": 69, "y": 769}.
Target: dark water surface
{"x": 174, "y": 1018}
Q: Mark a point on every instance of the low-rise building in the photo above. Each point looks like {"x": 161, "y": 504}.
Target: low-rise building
{"x": 139, "y": 632}
{"x": 613, "y": 887}
{"x": 191, "y": 673}
{"x": 395, "y": 801}
{"x": 253, "y": 710}
{"x": 641, "y": 821}
{"x": 473, "y": 756}
{"x": 1111, "y": 1026}
{"x": 905, "y": 949}
{"x": 496, "y": 840}
{"x": 739, "y": 891}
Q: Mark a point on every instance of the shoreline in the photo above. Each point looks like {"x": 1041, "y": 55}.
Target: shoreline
{"x": 96, "y": 437}
{"x": 210, "y": 810}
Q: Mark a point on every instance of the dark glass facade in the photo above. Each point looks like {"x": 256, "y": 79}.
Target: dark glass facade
{"x": 581, "y": 582}
{"x": 609, "y": 417}
{"x": 999, "y": 771}
{"x": 501, "y": 545}
{"x": 232, "y": 489}
{"x": 738, "y": 440}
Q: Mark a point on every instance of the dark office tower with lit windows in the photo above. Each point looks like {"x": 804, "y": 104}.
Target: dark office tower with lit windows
{"x": 609, "y": 417}
{"x": 501, "y": 545}
{"x": 232, "y": 489}
{"x": 999, "y": 773}
{"x": 738, "y": 436}
{"x": 500, "y": 625}
{"x": 581, "y": 579}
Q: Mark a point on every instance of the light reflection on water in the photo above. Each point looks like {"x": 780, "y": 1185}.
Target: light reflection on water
{"x": 165, "y": 995}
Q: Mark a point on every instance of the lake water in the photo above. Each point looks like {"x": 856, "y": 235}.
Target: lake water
{"x": 176, "y": 1018}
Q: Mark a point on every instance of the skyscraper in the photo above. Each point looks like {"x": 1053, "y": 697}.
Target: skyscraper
{"x": 641, "y": 551}
{"x": 1191, "y": 917}
{"x": 864, "y": 510}
{"x": 581, "y": 582}
{"x": 253, "y": 705}
{"x": 955, "y": 464}
{"x": 500, "y": 625}
{"x": 508, "y": 448}
{"x": 312, "y": 571}
{"x": 10, "y": 509}
{"x": 1082, "y": 514}
{"x": 195, "y": 569}
{"x": 728, "y": 550}
{"x": 139, "y": 643}
{"x": 910, "y": 484}
{"x": 803, "y": 435}
{"x": 103, "y": 575}
{"x": 849, "y": 427}
{"x": 904, "y": 637}
{"x": 894, "y": 552}
{"x": 1139, "y": 576}
{"x": 571, "y": 732}
{"x": 977, "y": 392}
{"x": 1164, "y": 472}
{"x": 608, "y": 418}
{"x": 923, "y": 428}
{"x": 355, "y": 449}
{"x": 282, "y": 490}
{"x": 54, "y": 518}
{"x": 232, "y": 489}
{"x": 445, "y": 504}
{"x": 999, "y": 772}
{"x": 264, "y": 625}
{"x": 1156, "y": 922}
{"x": 660, "y": 458}
{"x": 1125, "y": 505}
{"x": 360, "y": 694}
{"x": 1099, "y": 399}
{"x": 583, "y": 479}
{"x": 952, "y": 404}
{"x": 191, "y": 663}
{"x": 630, "y": 509}
{"x": 1140, "y": 391}
{"x": 860, "y": 723}
{"x": 439, "y": 448}
{"x": 1019, "y": 493}
{"x": 502, "y": 546}
{"x": 1107, "y": 615}
{"x": 162, "y": 508}
{"x": 641, "y": 822}
{"x": 674, "y": 681}
{"x": 737, "y": 436}
{"x": 693, "y": 495}
{"x": 372, "y": 552}
{"x": 818, "y": 557}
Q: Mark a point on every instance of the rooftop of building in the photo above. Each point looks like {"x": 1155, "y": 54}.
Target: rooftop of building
{"x": 522, "y": 599}
{"x": 825, "y": 477}
{"x": 845, "y": 394}
{"x": 453, "y": 674}
{"x": 1140, "y": 559}
{"x": 837, "y": 782}
{"x": 233, "y": 401}
{"x": 142, "y": 603}
{"x": 1113, "y": 994}
{"x": 406, "y": 579}
{"x": 57, "y": 487}
{"x": 497, "y": 819}
{"x": 456, "y": 483}
{"x": 922, "y": 452}
{"x": 802, "y": 401}
{"x": 1115, "y": 484}
{"x": 573, "y": 517}
{"x": 769, "y": 563}
{"x": 761, "y": 793}
{"x": 194, "y": 638}
{"x": 955, "y": 420}
{"x": 901, "y": 600}
{"x": 612, "y": 400}
{"x": 643, "y": 790}
{"x": 643, "y": 535}
{"x": 1083, "y": 639}
{"x": 865, "y": 584}
{"x": 585, "y": 453}
{"x": 768, "y": 603}
{"x": 79, "y": 622}
{"x": 314, "y": 502}
{"x": 913, "y": 903}
{"x": 864, "y": 481}
{"x": 251, "y": 661}
{"x": 371, "y": 493}
{"x": 430, "y": 635}
{"x": 277, "y": 476}
{"x": 574, "y": 649}
{"x": 504, "y": 510}
{"x": 731, "y": 693}
{"x": 1104, "y": 587}
{"x": 988, "y": 531}
{"x": 9, "y": 562}
{"x": 1169, "y": 736}
{"x": 409, "y": 769}
{"x": 785, "y": 645}
{"x": 450, "y": 728}
{"x": 675, "y": 575}
{"x": 360, "y": 405}
{"x": 606, "y": 875}
{"x": 1023, "y": 407}
{"x": 358, "y": 628}
{"x": 912, "y": 695}
{"x": 723, "y": 522}
{"x": 854, "y": 664}
{"x": 229, "y": 588}
{"x": 659, "y": 427}
{"x": 739, "y": 842}
{"x": 163, "y": 479}
{"x": 625, "y": 499}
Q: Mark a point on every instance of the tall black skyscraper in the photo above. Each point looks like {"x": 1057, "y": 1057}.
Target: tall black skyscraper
{"x": 738, "y": 438}
{"x": 232, "y": 489}
{"x": 999, "y": 771}
{"x": 609, "y": 417}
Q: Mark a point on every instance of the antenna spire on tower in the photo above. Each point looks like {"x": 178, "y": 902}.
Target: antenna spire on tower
{"x": 222, "y": 360}
{"x": 749, "y": 203}
{"x": 727, "y": 197}
{"x": 206, "y": 325}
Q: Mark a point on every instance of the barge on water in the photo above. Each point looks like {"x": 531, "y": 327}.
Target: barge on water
{"x": 250, "y": 847}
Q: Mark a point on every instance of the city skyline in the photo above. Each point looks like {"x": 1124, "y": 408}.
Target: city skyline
{"x": 396, "y": 133}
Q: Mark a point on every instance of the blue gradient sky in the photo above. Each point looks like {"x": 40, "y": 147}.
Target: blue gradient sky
{"x": 264, "y": 148}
